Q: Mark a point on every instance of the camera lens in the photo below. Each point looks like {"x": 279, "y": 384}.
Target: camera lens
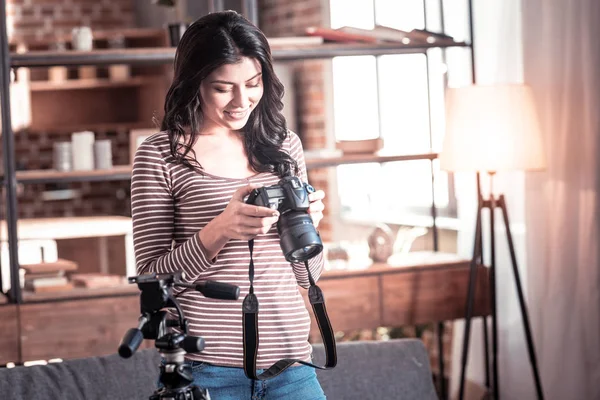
{"x": 299, "y": 238}
{"x": 306, "y": 252}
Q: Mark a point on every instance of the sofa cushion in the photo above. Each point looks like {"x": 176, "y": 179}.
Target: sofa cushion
{"x": 102, "y": 378}
{"x": 393, "y": 369}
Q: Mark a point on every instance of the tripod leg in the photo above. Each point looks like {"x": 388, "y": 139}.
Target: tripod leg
{"x": 524, "y": 313}
{"x": 440, "y": 340}
{"x": 495, "y": 385}
{"x": 470, "y": 301}
{"x": 486, "y": 347}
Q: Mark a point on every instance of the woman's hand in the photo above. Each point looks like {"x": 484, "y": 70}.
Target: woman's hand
{"x": 238, "y": 221}
{"x": 245, "y": 221}
{"x": 316, "y": 206}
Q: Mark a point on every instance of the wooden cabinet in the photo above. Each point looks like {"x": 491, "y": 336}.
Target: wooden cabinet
{"x": 429, "y": 287}
{"x": 9, "y": 334}
{"x": 48, "y": 326}
{"x": 76, "y": 328}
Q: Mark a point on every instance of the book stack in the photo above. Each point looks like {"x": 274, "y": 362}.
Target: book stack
{"x": 48, "y": 276}
{"x": 96, "y": 280}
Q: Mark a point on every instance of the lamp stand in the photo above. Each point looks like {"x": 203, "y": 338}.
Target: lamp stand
{"x": 492, "y": 203}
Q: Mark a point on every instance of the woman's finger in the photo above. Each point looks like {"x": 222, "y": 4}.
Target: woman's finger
{"x": 318, "y": 195}
{"x": 316, "y": 218}
{"x": 257, "y": 211}
{"x": 252, "y": 222}
{"x": 317, "y": 206}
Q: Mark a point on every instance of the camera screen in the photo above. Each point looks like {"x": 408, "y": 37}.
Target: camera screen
{"x": 274, "y": 192}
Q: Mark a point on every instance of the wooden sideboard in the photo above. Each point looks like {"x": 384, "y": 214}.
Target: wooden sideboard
{"x": 9, "y": 333}
{"x": 73, "y": 324}
{"x": 411, "y": 289}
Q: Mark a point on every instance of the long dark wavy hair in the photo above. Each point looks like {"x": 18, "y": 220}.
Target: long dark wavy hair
{"x": 212, "y": 41}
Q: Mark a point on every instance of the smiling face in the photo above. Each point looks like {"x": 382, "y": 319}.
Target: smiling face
{"x": 229, "y": 94}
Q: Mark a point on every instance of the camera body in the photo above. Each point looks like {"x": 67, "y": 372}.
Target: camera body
{"x": 300, "y": 240}
{"x": 290, "y": 194}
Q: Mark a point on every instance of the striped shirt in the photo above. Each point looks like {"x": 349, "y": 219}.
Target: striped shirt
{"x": 170, "y": 205}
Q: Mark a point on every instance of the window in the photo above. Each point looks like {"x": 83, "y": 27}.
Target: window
{"x": 401, "y": 99}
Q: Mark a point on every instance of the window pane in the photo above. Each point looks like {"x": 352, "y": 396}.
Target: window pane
{"x": 459, "y": 67}
{"x": 437, "y": 75}
{"x": 408, "y": 185}
{"x": 357, "y": 13}
{"x": 392, "y": 189}
{"x": 404, "y": 108}
{"x": 355, "y": 109}
{"x": 357, "y": 187}
{"x": 398, "y": 108}
{"x": 405, "y": 15}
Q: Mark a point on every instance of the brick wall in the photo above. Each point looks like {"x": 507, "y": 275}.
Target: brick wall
{"x": 41, "y": 19}
{"x": 288, "y": 18}
{"x": 33, "y": 150}
{"x": 38, "y": 23}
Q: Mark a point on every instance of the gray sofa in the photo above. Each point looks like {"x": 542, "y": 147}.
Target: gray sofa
{"x": 395, "y": 369}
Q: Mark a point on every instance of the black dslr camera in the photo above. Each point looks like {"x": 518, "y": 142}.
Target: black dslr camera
{"x": 300, "y": 240}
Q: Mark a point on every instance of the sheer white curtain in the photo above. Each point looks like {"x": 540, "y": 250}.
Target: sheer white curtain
{"x": 498, "y": 59}
{"x": 562, "y": 64}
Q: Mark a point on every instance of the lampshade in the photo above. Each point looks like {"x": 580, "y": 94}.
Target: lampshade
{"x": 491, "y": 128}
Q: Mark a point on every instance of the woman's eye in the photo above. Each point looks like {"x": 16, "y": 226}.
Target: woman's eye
{"x": 255, "y": 84}
{"x": 221, "y": 90}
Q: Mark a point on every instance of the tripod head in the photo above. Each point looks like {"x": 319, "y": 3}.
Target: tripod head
{"x": 156, "y": 296}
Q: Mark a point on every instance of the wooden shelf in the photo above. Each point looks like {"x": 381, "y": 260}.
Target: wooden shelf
{"x": 80, "y": 293}
{"x": 70, "y": 227}
{"x": 119, "y": 172}
{"x": 101, "y": 35}
{"x": 329, "y": 50}
{"x": 81, "y": 84}
{"x": 105, "y": 127}
{"x": 157, "y": 55}
{"x": 166, "y": 55}
{"x": 123, "y": 172}
{"x": 332, "y": 161}
{"x": 400, "y": 262}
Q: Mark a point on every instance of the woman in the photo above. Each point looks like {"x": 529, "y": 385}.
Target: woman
{"x": 222, "y": 135}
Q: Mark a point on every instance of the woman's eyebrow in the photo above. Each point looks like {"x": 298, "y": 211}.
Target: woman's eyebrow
{"x": 231, "y": 83}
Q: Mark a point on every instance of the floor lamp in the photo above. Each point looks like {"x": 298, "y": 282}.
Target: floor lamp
{"x": 490, "y": 129}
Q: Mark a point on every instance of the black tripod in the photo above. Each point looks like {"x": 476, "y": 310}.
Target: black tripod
{"x": 492, "y": 204}
{"x": 175, "y": 374}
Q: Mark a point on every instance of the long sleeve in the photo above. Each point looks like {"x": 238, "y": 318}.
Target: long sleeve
{"x": 315, "y": 264}
{"x": 153, "y": 212}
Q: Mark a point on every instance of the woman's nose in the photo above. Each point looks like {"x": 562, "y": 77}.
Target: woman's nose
{"x": 240, "y": 98}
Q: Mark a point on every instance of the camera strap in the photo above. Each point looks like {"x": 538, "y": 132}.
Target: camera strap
{"x": 250, "y": 329}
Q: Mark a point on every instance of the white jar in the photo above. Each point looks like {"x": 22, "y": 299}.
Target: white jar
{"x": 83, "y": 150}
{"x": 82, "y": 38}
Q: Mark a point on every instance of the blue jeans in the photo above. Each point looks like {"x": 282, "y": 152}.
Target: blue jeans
{"x": 228, "y": 383}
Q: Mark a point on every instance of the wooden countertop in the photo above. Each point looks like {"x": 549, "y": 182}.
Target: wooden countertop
{"x": 404, "y": 262}
{"x": 80, "y": 293}
{"x": 70, "y": 227}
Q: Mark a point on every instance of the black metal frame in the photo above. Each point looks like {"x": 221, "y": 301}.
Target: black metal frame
{"x": 164, "y": 56}
{"x": 8, "y": 145}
